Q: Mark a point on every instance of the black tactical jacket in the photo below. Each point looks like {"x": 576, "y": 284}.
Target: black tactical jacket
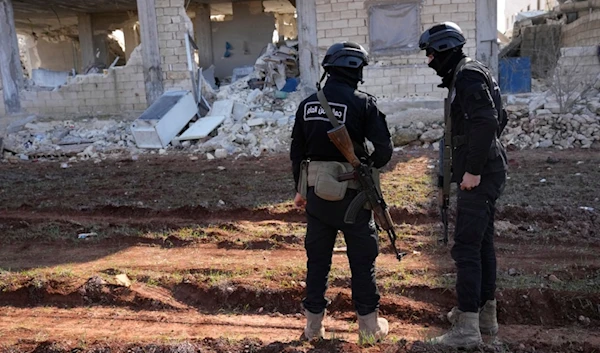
{"x": 475, "y": 108}
{"x": 355, "y": 109}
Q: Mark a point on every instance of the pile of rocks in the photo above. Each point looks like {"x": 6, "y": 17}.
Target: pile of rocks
{"x": 534, "y": 121}
{"x": 261, "y": 122}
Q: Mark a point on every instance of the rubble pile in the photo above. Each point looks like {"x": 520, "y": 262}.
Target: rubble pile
{"x": 277, "y": 65}
{"x": 260, "y": 123}
{"x": 534, "y": 121}
{"x": 84, "y": 139}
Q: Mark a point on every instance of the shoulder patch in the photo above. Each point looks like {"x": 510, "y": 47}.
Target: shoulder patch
{"x": 314, "y": 111}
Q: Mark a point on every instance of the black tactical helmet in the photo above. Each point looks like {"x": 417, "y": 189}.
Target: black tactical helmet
{"x": 346, "y": 54}
{"x": 442, "y": 37}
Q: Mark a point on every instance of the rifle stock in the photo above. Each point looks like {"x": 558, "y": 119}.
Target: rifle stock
{"x": 341, "y": 139}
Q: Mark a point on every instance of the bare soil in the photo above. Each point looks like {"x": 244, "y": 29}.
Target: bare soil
{"x": 213, "y": 257}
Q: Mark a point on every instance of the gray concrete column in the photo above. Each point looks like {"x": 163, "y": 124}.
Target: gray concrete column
{"x": 487, "y": 34}
{"x": 307, "y": 42}
{"x": 86, "y": 40}
{"x": 10, "y": 60}
{"x": 153, "y": 75}
{"x": 203, "y": 35}
{"x": 131, "y": 39}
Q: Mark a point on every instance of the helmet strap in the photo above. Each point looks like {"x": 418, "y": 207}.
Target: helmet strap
{"x": 321, "y": 80}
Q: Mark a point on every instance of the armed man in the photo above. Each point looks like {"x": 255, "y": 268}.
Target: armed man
{"x": 318, "y": 167}
{"x": 475, "y": 118}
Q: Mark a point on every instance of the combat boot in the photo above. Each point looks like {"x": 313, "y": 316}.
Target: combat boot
{"x": 371, "y": 328}
{"x": 314, "y": 325}
{"x": 464, "y": 332}
{"x": 488, "y": 320}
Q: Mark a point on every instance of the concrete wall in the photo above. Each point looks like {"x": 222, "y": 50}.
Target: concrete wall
{"x": 542, "y": 44}
{"x": 582, "y": 32}
{"x": 60, "y": 56}
{"x": 122, "y": 89}
{"x": 580, "y": 64}
{"x": 173, "y": 24}
{"x": 401, "y": 75}
{"x": 248, "y": 32}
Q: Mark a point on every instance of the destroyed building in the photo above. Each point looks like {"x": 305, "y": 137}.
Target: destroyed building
{"x": 74, "y": 46}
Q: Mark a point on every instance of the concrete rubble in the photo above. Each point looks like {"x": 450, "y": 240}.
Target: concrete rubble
{"x": 260, "y": 123}
{"x": 534, "y": 121}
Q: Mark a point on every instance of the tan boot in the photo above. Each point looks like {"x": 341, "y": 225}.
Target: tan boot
{"x": 488, "y": 320}
{"x": 371, "y": 328}
{"x": 464, "y": 333}
{"x": 314, "y": 325}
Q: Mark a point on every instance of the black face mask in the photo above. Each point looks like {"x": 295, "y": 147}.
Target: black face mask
{"x": 441, "y": 62}
{"x": 348, "y": 75}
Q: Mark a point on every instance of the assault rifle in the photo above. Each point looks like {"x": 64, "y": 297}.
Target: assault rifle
{"x": 444, "y": 172}
{"x": 369, "y": 192}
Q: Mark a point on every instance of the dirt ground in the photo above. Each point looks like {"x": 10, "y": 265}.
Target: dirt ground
{"x": 166, "y": 254}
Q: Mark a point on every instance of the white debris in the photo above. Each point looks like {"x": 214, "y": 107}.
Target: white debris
{"x": 221, "y": 153}
{"x": 256, "y": 122}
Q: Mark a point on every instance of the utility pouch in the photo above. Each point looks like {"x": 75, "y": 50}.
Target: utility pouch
{"x": 324, "y": 177}
{"x": 303, "y": 180}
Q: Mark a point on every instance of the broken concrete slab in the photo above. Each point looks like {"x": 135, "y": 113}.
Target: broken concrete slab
{"x": 19, "y": 124}
{"x": 201, "y": 128}
{"x": 49, "y": 78}
{"x": 164, "y": 119}
{"x": 222, "y": 108}
{"x": 239, "y": 111}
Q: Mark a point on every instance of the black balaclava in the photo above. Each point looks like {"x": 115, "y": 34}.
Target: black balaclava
{"x": 445, "y": 62}
{"x": 347, "y": 75}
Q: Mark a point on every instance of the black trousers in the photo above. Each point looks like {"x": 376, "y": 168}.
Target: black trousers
{"x": 324, "y": 219}
{"x": 473, "y": 250}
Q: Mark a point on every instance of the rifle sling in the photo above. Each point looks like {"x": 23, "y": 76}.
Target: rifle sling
{"x": 327, "y": 107}
{"x": 334, "y": 121}
{"x": 448, "y": 143}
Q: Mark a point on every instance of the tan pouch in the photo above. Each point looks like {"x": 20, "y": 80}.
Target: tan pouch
{"x": 325, "y": 176}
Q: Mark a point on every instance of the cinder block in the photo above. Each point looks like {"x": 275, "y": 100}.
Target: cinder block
{"x": 449, "y": 9}
{"x": 362, "y": 40}
{"x": 431, "y": 10}
{"x": 171, "y": 11}
{"x": 348, "y": 14}
{"x": 332, "y": 16}
{"x": 340, "y": 24}
{"x": 423, "y": 88}
{"x": 351, "y": 31}
{"x": 356, "y": 22}
{"x": 390, "y": 89}
{"x": 416, "y": 79}
{"x": 163, "y": 3}
{"x": 357, "y": 5}
{"x": 383, "y": 81}
{"x": 333, "y": 33}
{"x": 324, "y": 8}
{"x": 468, "y": 7}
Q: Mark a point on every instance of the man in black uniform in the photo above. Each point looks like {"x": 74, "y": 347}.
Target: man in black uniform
{"x": 479, "y": 167}
{"x": 326, "y": 200}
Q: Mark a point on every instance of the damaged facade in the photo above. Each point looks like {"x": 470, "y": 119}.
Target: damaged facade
{"x": 110, "y": 76}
